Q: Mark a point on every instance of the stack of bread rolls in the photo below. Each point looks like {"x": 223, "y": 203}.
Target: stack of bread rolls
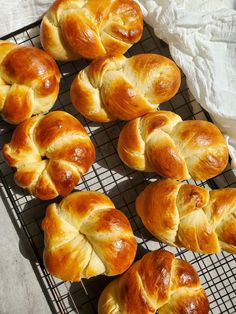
{"x": 85, "y": 235}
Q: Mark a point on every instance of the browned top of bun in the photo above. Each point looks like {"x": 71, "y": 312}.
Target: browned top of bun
{"x": 158, "y": 281}
{"x": 90, "y": 29}
{"x": 50, "y": 154}
{"x": 115, "y": 87}
{"x": 161, "y": 142}
{"x": 190, "y": 216}
{"x": 29, "y": 82}
{"x": 86, "y": 236}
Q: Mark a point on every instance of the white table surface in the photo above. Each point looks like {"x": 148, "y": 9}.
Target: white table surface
{"x": 20, "y": 292}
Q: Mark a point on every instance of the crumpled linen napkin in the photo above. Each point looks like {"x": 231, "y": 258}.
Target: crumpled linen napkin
{"x": 16, "y": 14}
{"x": 201, "y": 35}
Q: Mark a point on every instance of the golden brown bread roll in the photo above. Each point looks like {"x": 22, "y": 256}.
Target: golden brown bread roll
{"x": 50, "y": 154}
{"x": 86, "y": 236}
{"x": 90, "y": 28}
{"x": 161, "y": 142}
{"x": 29, "y": 82}
{"x": 190, "y": 216}
{"x": 123, "y": 88}
{"x": 158, "y": 281}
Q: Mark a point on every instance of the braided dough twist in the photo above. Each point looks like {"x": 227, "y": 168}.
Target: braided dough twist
{"x": 158, "y": 281}
{"x": 90, "y": 28}
{"x": 50, "y": 154}
{"x": 161, "y": 142}
{"x": 190, "y": 216}
{"x": 123, "y": 88}
{"x": 29, "y": 82}
{"x": 86, "y": 236}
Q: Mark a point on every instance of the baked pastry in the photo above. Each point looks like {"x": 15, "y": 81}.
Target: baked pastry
{"x": 161, "y": 142}
{"x": 76, "y": 28}
{"x": 86, "y": 236}
{"x": 29, "y": 82}
{"x": 158, "y": 281}
{"x": 50, "y": 154}
{"x": 123, "y": 88}
{"x": 190, "y": 216}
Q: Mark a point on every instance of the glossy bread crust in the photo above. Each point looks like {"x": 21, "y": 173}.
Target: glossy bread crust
{"x": 161, "y": 142}
{"x": 86, "y": 236}
{"x": 29, "y": 82}
{"x": 158, "y": 281}
{"x": 116, "y": 87}
{"x": 190, "y": 216}
{"x": 50, "y": 154}
{"x": 89, "y": 28}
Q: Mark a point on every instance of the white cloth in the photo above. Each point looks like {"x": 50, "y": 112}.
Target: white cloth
{"x": 202, "y": 39}
{"x": 16, "y": 14}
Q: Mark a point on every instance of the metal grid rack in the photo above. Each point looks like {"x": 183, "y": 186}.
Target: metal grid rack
{"x": 109, "y": 175}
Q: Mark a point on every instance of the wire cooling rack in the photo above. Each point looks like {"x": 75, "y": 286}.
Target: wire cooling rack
{"x": 109, "y": 175}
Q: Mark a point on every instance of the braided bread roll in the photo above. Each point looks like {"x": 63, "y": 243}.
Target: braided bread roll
{"x": 161, "y": 142}
{"x": 158, "y": 281}
{"x": 123, "y": 88}
{"x": 86, "y": 236}
{"x": 29, "y": 82}
{"x": 190, "y": 216}
{"x": 89, "y": 28}
{"x": 50, "y": 154}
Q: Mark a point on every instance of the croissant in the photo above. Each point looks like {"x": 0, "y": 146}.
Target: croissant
{"x": 190, "y": 216}
{"x": 86, "y": 236}
{"x": 29, "y": 82}
{"x": 72, "y": 29}
{"x": 161, "y": 142}
{"x": 158, "y": 281}
{"x": 123, "y": 88}
{"x": 50, "y": 154}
